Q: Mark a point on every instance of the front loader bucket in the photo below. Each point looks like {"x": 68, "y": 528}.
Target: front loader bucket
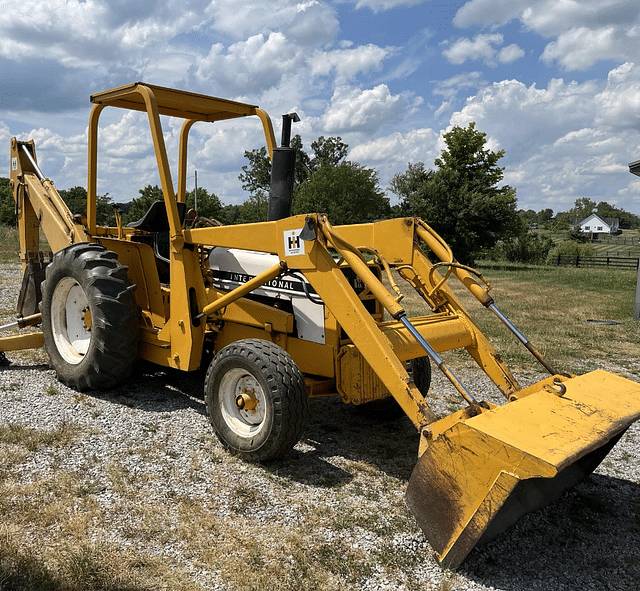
{"x": 480, "y": 474}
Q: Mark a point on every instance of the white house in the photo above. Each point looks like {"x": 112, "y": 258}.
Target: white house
{"x": 596, "y": 225}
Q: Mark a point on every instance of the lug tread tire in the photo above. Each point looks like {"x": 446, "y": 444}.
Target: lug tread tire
{"x": 420, "y": 371}
{"x": 283, "y": 386}
{"x": 113, "y": 348}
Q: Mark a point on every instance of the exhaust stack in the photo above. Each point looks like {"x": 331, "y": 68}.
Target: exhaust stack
{"x": 283, "y": 168}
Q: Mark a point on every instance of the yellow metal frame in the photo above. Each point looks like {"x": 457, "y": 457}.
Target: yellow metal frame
{"x": 177, "y": 319}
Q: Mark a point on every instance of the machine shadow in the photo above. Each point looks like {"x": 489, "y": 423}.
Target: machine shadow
{"x": 337, "y": 430}
{"x": 333, "y": 429}
{"x": 587, "y": 539}
{"x": 158, "y": 389}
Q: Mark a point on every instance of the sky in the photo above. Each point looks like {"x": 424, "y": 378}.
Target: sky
{"x": 553, "y": 83}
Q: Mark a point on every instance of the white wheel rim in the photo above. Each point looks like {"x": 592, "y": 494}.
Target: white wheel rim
{"x": 236, "y": 383}
{"x": 70, "y": 320}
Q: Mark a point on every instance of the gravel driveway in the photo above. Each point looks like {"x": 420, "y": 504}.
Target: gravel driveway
{"x": 155, "y": 480}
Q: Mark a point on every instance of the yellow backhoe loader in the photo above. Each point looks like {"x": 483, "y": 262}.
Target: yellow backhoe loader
{"x": 294, "y": 308}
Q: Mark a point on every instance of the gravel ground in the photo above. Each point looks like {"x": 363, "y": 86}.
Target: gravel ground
{"x": 155, "y": 430}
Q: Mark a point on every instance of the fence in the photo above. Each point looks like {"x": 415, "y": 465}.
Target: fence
{"x": 581, "y": 261}
{"x": 626, "y": 240}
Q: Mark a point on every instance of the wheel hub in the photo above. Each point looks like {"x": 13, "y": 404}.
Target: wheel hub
{"x": 242, "y": 402}
{"x": 71, "y": 320}
{"x": 247, "y": 401}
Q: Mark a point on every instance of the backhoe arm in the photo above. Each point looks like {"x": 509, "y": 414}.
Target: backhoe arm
{"x": 39, "y": 205}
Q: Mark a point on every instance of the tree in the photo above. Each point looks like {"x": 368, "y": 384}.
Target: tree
{"x": 76, "y": 200}
{"x": 577, "y": 235}
{"x": 626, "y": 220}
{"x": 324, "y": 182}
{"x": 256, "y": 175}
{"x": 527, "y": 248}
{"x": 254, "y": 209}
{"x": 209, "y": 205}
{"x": 347, "y": 192}
{"x": 462, "y": 200}
{"x": 529, "y": 217}
{"x": 582, "y": 208}
{"x": 545, "y": 215}
{"x": 139, "y": 206}
{"x": 329, "y": 151}
{"x": 256, "y": 178}
{"x": 7, "y": 204}
{"x": 230, "y": 214}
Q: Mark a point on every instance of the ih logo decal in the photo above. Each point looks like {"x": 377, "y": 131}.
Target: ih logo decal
{"x": 293, "y": 245}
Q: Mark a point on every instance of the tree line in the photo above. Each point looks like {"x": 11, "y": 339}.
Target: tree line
{"x": 462, "y": 198}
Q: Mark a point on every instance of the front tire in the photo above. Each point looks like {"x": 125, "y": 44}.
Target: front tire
{"x": 256, "y": 399}
{"x": 89, "y": 317}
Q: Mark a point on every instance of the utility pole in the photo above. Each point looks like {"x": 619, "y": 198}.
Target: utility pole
{"x": 195, "y": 194}
{"x": 636, "y": 309}
{"x": 634, "y": 168}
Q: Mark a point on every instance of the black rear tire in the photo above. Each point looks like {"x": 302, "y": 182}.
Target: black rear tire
{"x": 90, "y": 318}
{"x": 420, "y": 370}
{"x": 256, "y": 399}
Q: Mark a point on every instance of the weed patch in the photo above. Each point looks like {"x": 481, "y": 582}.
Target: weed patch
{"x": 33, "y": 439}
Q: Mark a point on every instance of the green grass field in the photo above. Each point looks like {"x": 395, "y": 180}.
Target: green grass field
{"x": 565, "y": 313}
{"x": 626, "y": 245}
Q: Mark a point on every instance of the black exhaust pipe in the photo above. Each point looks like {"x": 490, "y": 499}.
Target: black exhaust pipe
{"x": 283, "y": 166}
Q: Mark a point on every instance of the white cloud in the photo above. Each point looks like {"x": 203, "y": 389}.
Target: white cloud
{"x": 565, "y": 141}
{"x": 312, "y": 20}
{"x": 452, "y": 86}
{"x": 353, "y": 109}
{"x": 313, "y": 23}
{"x": 397, "y": 149}
{"x": 5, "y": 134}
{"x": 86, "y": 34}
{"x": 248, "y": 66}
{"x": 579, "y": 49}
{"x": 510, "y": 54}
{"x": 413, "y": 146}
{"x": 390, "y": 154}
{"x": 482, "y": 47}
{"x": 486, "y": 13}
{"x": 583, "y": 32}
{"x": 347, "y": 63}
{"x": 379, "y": 5}
{"x": 547, "y": 17}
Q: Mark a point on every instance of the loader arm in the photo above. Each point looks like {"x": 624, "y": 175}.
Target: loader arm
{"x": 484, "y": 466}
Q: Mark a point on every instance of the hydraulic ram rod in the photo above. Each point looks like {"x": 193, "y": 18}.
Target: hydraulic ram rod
{"x": 523, "y": 340}
{"x": 23, "y": 322}
{"x": 33, "y": 162}
{"x": 442, "y": 366}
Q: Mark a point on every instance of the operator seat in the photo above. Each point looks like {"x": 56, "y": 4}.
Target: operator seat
{"x": 157, "y": 222}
